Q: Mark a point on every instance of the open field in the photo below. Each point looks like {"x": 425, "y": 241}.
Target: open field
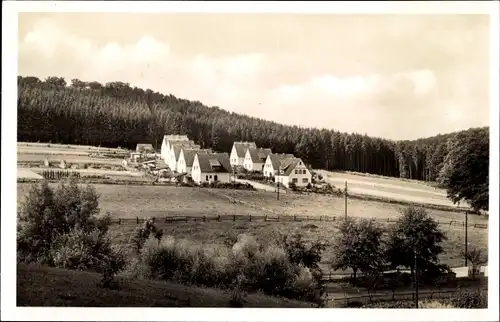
{"x": 391, "y": 188}
{"x": 147, "y": 201}
{"x": 43, "y": 286}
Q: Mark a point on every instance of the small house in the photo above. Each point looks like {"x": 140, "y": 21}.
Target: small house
{"x": 211, "y": 167}
{"x": 255, "y": 159}
{"x": 238, "y": 152}
{"x": 168, "y": 140}
{"x": 175, "y": 151}
{"x": 293, "y": 170}
{"x": 145, "y": 148}
{"x": 186, "y": 159}
{"x": 272, "y": 163}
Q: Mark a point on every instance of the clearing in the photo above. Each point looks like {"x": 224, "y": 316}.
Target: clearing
{"x": 45, "y": 286}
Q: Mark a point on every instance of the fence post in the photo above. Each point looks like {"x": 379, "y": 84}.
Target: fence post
{"x": 137, "y": 220}
{"x": 250, "y": 218}
{"x": 234, "y": 217}
{"x": 119, "y": 221}
{"x": 186, "y": 218}
{"x": 166, "y": 219}
{"x": 218, "y": 218}
{"x": 320, "y": 218}
{"x": 265, "y": 218}
{"x": 294, "y": 217}
{"x": 204, "y": 218}
{"x": 307, "y": 218}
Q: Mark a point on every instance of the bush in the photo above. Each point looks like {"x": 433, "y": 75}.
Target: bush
{"x": 142, "y": 233}
{"x": 471, "y": 300}
{"x": 58, "y": 227}
{"x": 246, "y": 266}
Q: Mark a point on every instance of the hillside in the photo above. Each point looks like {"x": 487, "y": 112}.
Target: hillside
{"x": 116, "y": 114}
{"x": 44, "y": 286}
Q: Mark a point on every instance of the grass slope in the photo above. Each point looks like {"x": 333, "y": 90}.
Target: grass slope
{"x": 44, "y": 286}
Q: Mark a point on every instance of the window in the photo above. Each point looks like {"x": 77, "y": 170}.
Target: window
{"x": 215, "y": 177}
{"x": 303, "y": 171}
{"x": 296, "y": 171}
{"x": 206, "y": 178}
{"x": 294, "y": 180}
{"x": 305, "y": 180}
{"x": 210, "y": 176}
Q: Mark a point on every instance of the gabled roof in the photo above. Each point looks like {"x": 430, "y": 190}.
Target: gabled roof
{"x": 190, "y": 153}
{"x": 179, "y": 146}
{"x": 288, "y": 165}
{"x": 145, "y": 146}
{"x": 277, "y": 158}
{"x": 214, "y": 162}
{"x": 259, "y": 155}
{"x": 241, "y": 148}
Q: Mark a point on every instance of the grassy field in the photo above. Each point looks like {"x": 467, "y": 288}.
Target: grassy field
{"x": 160, "y": 201}
{"x": 391, "y": 188}
{"x": 43, "y": 286}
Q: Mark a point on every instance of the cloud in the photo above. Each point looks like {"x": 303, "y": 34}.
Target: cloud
{"x": 286, "y": 88}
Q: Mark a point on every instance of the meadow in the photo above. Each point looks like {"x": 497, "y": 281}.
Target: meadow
{"x": 124, "y": 201}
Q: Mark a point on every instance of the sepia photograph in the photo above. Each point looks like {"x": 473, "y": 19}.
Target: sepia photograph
{"x": 223, "y": 157}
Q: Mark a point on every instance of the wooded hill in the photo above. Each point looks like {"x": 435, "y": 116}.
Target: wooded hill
{"x": 116, "y": 114}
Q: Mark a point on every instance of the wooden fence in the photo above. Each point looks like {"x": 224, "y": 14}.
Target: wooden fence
{"x": 266, "y": 218}
{"x": 397, "y": 296}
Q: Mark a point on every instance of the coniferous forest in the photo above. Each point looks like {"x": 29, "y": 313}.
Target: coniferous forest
{"x": 116, "y": 114}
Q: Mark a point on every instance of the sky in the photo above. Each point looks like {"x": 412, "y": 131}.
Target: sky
{"x": 393, "y": 76}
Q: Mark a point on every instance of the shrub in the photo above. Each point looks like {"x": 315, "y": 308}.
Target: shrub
{"x": 47, "y": 213}
{"x": 142, "y": 233}
{"x": 246, "y": 266}
{"x": 471, "y": 300}
{"x": 59, "y": 228}
{"x": 434, "y": 305}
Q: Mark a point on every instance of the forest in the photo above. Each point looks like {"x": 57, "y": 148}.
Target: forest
{"x": 117, "y": 114}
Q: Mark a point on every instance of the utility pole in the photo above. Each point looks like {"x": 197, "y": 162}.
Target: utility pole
{"x": 416, "y": 277}
{"x": 465, "y": 254}
{"x": 345, "y": 199}
{"x": 278, "y": 184}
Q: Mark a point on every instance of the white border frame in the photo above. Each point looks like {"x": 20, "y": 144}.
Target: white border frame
{"x": 9, "y": 133}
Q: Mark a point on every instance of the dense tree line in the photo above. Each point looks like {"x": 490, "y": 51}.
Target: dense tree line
{"x": 117, "y": 114}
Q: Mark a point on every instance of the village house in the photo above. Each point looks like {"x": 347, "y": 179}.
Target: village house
{"x": 272, "y": 163}
{"x": 186, "y": 159}
{"x": 255, "y": 159}
{"x": 238, "y": 152}
{"x": 211, "y": 167}
{"x": 293, "y": 170}
{"x": 175, "y": 151}
{"x": 168, "y": 140}
{"x": 145, "y": 148}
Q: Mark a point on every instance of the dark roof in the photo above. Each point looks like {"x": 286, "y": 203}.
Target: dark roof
{"x": 178, "y": 146}
{"x": 241, "y": 148}
{"x": 190, "y": 153}
{"x": 259, "y": 155}
{"x": 175, "y": 137}
{"x": 287, "y": 165}
{"x": 214, "y": 162}
{"x": 145, "y": 146}
{"x": 276, "y": 158}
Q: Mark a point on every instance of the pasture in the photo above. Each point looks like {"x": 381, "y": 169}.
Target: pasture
{"x": 160, "y": 201}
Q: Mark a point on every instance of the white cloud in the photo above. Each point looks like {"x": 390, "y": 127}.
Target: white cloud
{"x": 239, "y": 83}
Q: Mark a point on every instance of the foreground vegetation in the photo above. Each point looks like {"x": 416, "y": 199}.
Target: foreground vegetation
{"x": 59, "y": 228}
{"x": 46, "y": 286}
{"x": 116, "y": 114}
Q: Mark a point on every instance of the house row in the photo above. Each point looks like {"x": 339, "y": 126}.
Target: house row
{"x": 285, "y": 168}
{"x": 182, "y": 155}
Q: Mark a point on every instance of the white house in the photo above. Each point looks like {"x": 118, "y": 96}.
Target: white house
{"x": 186, "y": 159}
{"x": 238, "y": 152}
{"x": 293, "y": 170}
{"x": 175, "y": 151}
{"x": 255, "y": 159}
{"x": 272, "y": 163}
{"x": 168, "y": 140}
{"x": 211, "y": 167}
